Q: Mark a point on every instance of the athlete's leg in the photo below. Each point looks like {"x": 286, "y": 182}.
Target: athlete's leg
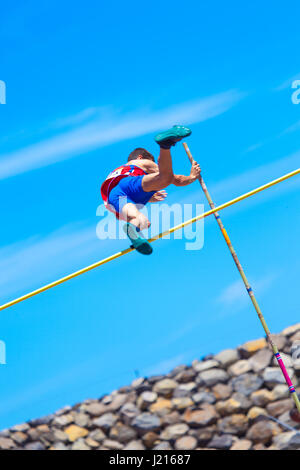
{"x": 136, "y": 221}
{"x": 131, "y": 214}
{"x": 165, "y": 175}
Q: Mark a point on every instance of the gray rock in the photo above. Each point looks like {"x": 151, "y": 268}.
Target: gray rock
{"x": 119, "y": 400}
{"x": 204, "y": 416}
{"x": 138, "y": 382}
{"x": 297, "y": 363}
{"x": 263, "y": 432}
{"x": 40, "y": 421}
{"x": 106, "y": 400}
{"x": 213, "y": 376}
{"x": 241, "y": 444}
{"x": 63, "y": 420}
{"x": 19, "y": 437}
{"x": 59, "y": 446}
{"x": 243, "y": 400}
{"x": 125, "y": 389}
{"x": 62, "y": 411}
{"x": 287, "y": 441}
{"x": 204, "y": 397}
{"x": 205, "y": 365}
{"x": 287, "y": 359}
{"x": 273, "y": 376}
{"x": 247, "y": 383}
{"x": 280, "y": 341}
{"x": 280, "y": 391}
{"x": 286, "y": 418}
{"x": 279, "y": 407}
{"x": 222, "y": 391}
{"x": 59, "y": 435}
{"x": 165, "y": 387}
{"x": 80, "y": 445}
{"x": 174, "y": 432}
{"x": 291, "y": 330}
{"x": 205, "y": 435}
{"x": 163, "y": 446}
{"x": 186, "y": 443}
{"x": 262, "y": 397}
{"x": 112, "y": 445}
{"x": 155, "y": 378}
{"x": 221, "y": 442}
{"x": 82, "y": 419}
{"x": 128, "y": 412}
{"x": 260, "y": 360}
{"x": 171, "y": 418}
{"x": 185, "y": 376}
{"x": 216, "y": 403}
{"x": 97, "y": 435}
{"x": 184, "y": 389}
{"x": 236, "y": 424}
{"x": 6, "y": 443}
{"x": 35, "y": 446}
{"x": 134, "y": 445}
{"x": 20, "y": 428}
{"x": 122, "y": 433}
{"x": 146, "y": 399}
{"x": 178, "y": 369}
{"x": 227, "y": 357}
{"x": 105, "y": 421}
{"x": 146, "y": 422}
{"x": 240, "y": 367}
{"x": 182, "y": 403}
{"x": 93, "y": 409}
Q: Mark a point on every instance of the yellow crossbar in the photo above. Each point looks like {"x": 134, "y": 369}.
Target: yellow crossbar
{"x": 157, "y": 237}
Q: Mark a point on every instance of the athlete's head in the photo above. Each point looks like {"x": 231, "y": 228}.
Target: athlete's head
{"x": 140, "y": 154}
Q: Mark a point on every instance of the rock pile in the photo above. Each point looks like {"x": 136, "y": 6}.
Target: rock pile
{"x": 225, "y": 401}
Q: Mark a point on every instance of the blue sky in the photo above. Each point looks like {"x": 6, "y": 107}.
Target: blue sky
{"x": 86, "y": 85}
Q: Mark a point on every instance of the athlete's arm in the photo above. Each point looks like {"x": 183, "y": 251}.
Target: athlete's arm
{"x": 181, "y": 180}
{"x": 149, "y": 166}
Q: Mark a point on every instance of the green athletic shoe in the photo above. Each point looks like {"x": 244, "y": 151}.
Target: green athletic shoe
{"x": 169, "y": 138}
{"x": 138, "y": 242}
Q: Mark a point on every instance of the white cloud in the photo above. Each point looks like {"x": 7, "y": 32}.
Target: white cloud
{"x": 233, "y": 293}
{"x": 253, "y": 147}
{"x": 47, "y": 388}
{"x": 78, "y": 118}
{"x": 234, "y": 186}
{"x": 293, "y": 128}
{"x": 38, "y": 260}
{"x": 165, "y": 366}
{"x": 287, "y": 83}
{"x": 259, "y": 176}
{"x": 235, "y": 296}
{"x": 108, "y": 130}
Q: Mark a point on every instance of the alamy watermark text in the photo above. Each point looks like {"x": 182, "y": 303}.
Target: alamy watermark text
{"x": 2, "y": 92}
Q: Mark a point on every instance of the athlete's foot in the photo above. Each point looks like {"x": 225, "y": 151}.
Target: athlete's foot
{"x": 138, "y": 241}
{"x": 170, "y": 137}
{"x": 140, "y": 221}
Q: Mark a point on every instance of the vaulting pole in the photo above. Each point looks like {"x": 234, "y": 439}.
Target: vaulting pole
{"x": 157, "y": 237}
{"x": 247, "y": 285}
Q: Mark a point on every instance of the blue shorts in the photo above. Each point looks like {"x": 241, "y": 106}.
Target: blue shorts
{"x": 129, "y": 189}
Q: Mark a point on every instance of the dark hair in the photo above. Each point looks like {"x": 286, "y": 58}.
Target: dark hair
{"x": 140, "y": 151}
